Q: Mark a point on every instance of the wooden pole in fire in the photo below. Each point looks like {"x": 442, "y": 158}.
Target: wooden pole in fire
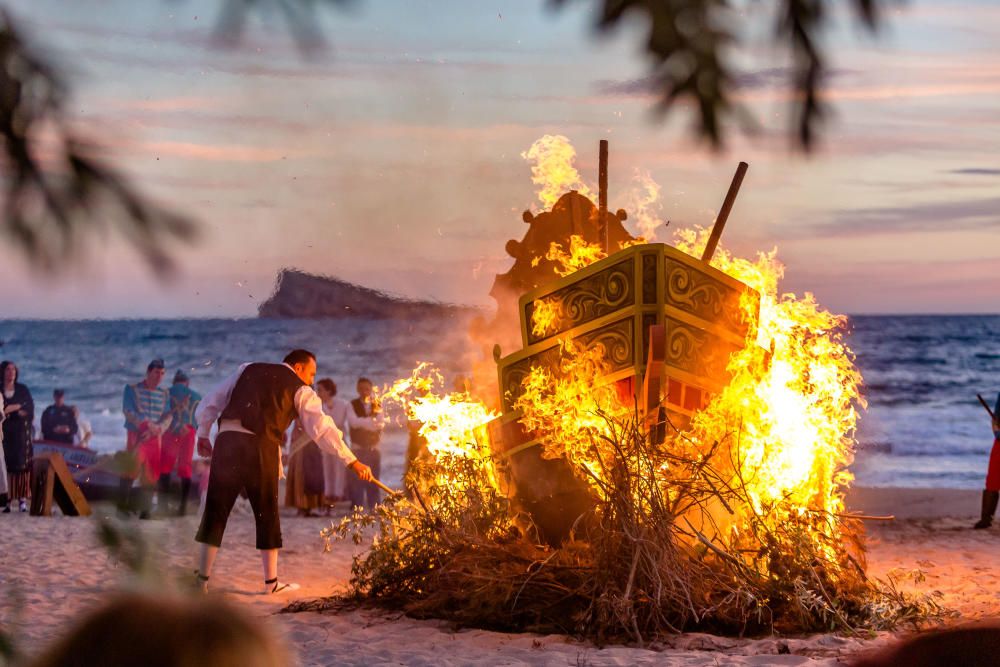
{"x": 727, "y": 206}
{"x": 602, "y": 196}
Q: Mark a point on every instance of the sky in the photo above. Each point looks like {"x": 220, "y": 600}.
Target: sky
{"x": 394, "y": 159}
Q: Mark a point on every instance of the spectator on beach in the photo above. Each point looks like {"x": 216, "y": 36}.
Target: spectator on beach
{"x": 304, "y": 485}
{"x": 254, "y": 407}
{"x": 416, "y": 443}
{"x": 147, "y": 415}
{"x": 19, "y": 413}
{"x": 991, "y": 494}
{"x": 161, "y": 631}
{"x": 334, "y": 473}
{"x": 84, "y": 430}
{"x": 58, "y": 421}
{"x": 4, "y": 498}
{"x": 177, "y": 445}
{"x": 366, "y": 422}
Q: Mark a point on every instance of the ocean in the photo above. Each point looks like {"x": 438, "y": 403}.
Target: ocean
{"x": 923, "y": 426}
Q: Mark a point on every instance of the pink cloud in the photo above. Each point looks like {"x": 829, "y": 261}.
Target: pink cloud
{"x": 218, "y": 152}
{"x": 178, "y": 103}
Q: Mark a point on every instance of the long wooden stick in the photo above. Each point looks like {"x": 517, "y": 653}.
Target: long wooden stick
{"x": 727, "y": 206}
{"x": 390, "y": 491}
{"x": 602, "y": 195}
{"x": 304, "y": 440}
{"x": 985, "y": 405}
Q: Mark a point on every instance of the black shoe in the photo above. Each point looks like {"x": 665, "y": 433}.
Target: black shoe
{"x": 990, "y": 499}
{"x": 145, "y": 515}
{"x": 124, "y": 496}
{"x": 185, "y": 492}
{"x": 163, "y": 491}
{"x": 145, "y": 502}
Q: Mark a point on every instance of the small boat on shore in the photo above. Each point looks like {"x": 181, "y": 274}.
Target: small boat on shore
{"x": 96, "y": 474}
{"x": 76, "y": 457}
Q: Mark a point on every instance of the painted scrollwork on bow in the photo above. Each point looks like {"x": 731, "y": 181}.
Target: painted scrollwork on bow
{"x": 616, "y": 342}
{"x": 697, "y": 352}
{"x": 701, "y": 295}
{"x": 583, "y": 301}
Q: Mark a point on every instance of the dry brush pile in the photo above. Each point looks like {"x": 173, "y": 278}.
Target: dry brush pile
{"x": 639, "y": 569}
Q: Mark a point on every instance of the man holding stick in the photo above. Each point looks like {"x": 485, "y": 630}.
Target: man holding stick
{"x": 991, "y": 494}
{"x": 254, "y": 408}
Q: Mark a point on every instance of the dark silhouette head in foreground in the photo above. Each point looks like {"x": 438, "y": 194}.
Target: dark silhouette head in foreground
{"x": 161, "y": 631}
{"x": 964, "y": 646}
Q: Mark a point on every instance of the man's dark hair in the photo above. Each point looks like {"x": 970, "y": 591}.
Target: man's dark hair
{"x": 364, "y": 379}
{"x": 329, "y": 385}
{"x": 298, "y": 357}
{"x": 58, "y": 393}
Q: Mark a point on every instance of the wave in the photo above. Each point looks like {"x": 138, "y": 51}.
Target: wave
{"x": 880, "y": 447}
{"x": 163, "y": 336}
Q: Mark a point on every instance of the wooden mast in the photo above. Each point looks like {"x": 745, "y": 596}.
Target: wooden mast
{"x": 727, "y": 206}
{"x": 602, "y": 196}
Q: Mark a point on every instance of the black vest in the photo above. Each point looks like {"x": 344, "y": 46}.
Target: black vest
{"x": 361, "y": 437}
{"x": 263, "y": 401}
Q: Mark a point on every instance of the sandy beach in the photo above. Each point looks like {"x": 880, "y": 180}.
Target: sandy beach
{"x": 53, "y": 570}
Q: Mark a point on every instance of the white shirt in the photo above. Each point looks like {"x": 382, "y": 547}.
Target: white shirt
{"x": 84, "y": 430}
{"x": 373, "y": 422}
{"x": 338, "y": 409}
{"x": 308, "y": 406}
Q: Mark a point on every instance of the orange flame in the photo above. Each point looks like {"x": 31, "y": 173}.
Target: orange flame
{"x": 578, "y": 255}
{"x": 566, "y": 409}
{"x": 552, "y": 169}
{"x": 643, "y": 205}
{"x": 545, "y": 316}
{"x": 793, "y": 396}
{"x": 452, "y": 423}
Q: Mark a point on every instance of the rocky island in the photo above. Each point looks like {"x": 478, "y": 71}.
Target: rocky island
{"x": 298, "y": 294}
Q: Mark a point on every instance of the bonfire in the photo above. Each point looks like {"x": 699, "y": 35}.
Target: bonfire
{"x": 622, "y": 495}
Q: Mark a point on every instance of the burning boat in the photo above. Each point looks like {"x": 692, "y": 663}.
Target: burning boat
{"x": 684, "y": 433}
{"x": 663, "y": 322}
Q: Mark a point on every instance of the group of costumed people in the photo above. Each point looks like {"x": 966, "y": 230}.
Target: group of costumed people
{"x": 160, "y": 434}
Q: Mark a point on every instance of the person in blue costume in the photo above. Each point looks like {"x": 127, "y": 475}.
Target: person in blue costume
{"x": 177, "y": 445}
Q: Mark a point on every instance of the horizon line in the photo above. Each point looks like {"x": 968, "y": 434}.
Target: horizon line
{"x": 175, "y": 318}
